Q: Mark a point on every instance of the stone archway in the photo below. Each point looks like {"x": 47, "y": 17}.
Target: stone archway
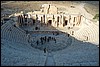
{"x": 49, "y": 22}
{"x": 65, "y": 23}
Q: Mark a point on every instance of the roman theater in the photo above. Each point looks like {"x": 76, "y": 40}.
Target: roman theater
{"x": 50, "y": 37}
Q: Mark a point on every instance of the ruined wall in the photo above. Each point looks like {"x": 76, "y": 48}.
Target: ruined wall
{"x": 48, "y": 15}
{"x": 52, "y": 10}
{"x": 56, "y": 20}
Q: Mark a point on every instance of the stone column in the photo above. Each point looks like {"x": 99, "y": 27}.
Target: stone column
{"x": 76, "y": 20}
{"x": 41, "y": 20}
{"x": 21, "y": 20}
{"x": 36, "y": 17}
{"x": 45, "y": 19}
{"x": 53, "y": 22}
{"x": 58, "y": 24}
{"x": 80, "y": 18}
{"x": 18, "y": 19}
{"x": 69, "y": 18}
{"x": 62, "y": 19}
{"x": 59, "y": 20}
{"x": 55, "y": 25}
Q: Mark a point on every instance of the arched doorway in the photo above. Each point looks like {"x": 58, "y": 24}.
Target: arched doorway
{"x": 49, "y": 22}
{"x": 65, "y": 23}
{"x": 58, "y": 19}
{"x": 33, "y": 21}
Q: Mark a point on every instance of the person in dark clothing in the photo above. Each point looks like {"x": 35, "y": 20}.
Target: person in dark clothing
{"x": 28, "y": 41}
{"x": 53, "y": 33}
{"x": 45, "y": 38}
{"x": 48, "y": 40}
{"x": 68, "y": 35}
{"x": 37, "y": 42}
{"x": 41, "y": 40}
{"x": 44, "y": 50}
{"x": 31, "y": 44}
{"x": 36, "y": 28}
{"x": 52, "y": 38}
{"x": 55, "y": 40}
{"x": 14, "y": 25}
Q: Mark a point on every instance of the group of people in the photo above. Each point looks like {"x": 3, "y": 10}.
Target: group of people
{"x": 45, "y": 40}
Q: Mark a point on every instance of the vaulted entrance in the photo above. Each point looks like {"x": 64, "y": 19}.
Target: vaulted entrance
{"x": 65, "y": 23}
{"x": 49, "y": 22}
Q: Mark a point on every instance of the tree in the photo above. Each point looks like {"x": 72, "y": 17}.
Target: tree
{"x": 96, "y": 17}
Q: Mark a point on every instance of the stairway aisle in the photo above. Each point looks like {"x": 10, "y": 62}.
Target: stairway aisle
{"x": 49, "y": 60}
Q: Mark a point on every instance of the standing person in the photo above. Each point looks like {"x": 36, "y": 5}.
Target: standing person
{"x": 44, "y": 50}
{"x": 41, "y": 40}
{"x": 49, "y": 38}
{"x": 55, "y": 40}
{"x": 37, "y": 42}
{"x": 28, "y": 37}
{"x": 45, "y": 38}
{"x": 52, "y": 33}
